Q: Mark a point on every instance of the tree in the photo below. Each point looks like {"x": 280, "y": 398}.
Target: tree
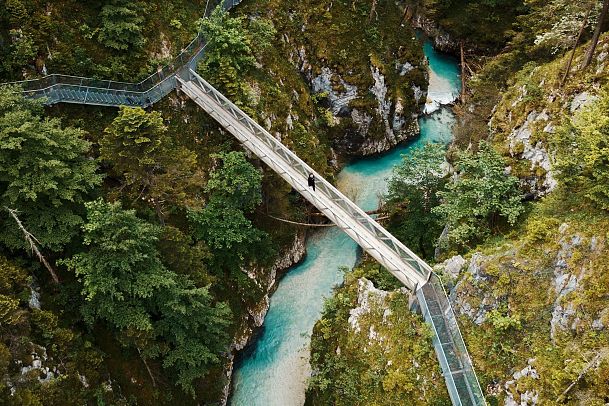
{"x": 126, "y": 285}
{"x": 234, "y": 188}
{"x": 582, "y": 146}
{"x": 150, "y": 165}
{"x": 44, "y": 174}
{"x": 236, "y": 182}
{"x": 121, "y": 271}
{"x": 481, "y": 196}
{"x": 412, "y": 194}
{"x": 194, "y": 331}
{"x": 597, "y": 34}
{"x": 229, "y": 55}
{"x": 121, "y": 27}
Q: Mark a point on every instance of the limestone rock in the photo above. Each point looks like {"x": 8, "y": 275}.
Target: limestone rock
{"x": 453, "y": 266}
{"x": 520, "y": 144}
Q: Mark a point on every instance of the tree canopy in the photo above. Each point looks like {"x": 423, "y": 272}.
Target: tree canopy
{"x": 44, "y": 173}
{"x": 230, "y": 52}
{"x": 148, "y": 162}
{"x": 126, "y": 286}
{"x": 481, "y": 196}
{"x": 121, "y": 26}
{"x": 412, "y": 194}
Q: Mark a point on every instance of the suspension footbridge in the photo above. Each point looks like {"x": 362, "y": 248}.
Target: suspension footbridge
{"x": 408, "y": 268}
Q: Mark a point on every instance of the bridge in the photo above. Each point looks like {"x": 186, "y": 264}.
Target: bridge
{"x": 461, "y": 381}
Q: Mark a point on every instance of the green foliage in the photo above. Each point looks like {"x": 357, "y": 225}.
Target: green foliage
{"x": 148, "y": 161}
{"x": 236, "y": 182}
{"x": 195, "y": 332}
{"x": 222, "y": 224}
{"x": 126, "y": 285}
{"x": 28, "y": 334}
{"x": 230, "y": 53}
{"x": 44, "y": 173}
{"x": 121, "y": 27}
{"x": 121, "y": 272}
{"x": 412, "y": 194}
{"x": 484, "y": 23}
{"x": 225, "y": 229}
{"x": 481, "y": 197}
{"x": 234, "y": 189}
{"x": 21, "y": 52}
{"x": 582, "y": 160}
{"x": 228, "y": 56}
{"x": 353, "y": 366}
{"x": 503, "y": 322}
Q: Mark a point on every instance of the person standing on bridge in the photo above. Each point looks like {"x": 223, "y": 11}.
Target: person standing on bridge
{"x": 311, "y": 181}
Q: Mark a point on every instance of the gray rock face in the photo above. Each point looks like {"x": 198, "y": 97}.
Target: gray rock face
{"x": 367, "y": 295}
{"x": 291, "y": 256}
{"x": 536, "y": 154}
{"x": 459, "y": 301}
{"x": 339, "y": 100}
{"x": 453, "y": 266}
{"x": 565, "y": 282}
{"x": 397, "y": 123}
{"x": 581, "y": 100}
{"x": 526, "y": 398}
{"x": 441, "y": 39}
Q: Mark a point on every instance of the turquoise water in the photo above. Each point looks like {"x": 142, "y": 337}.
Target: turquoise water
{"x": 274, "y": 370}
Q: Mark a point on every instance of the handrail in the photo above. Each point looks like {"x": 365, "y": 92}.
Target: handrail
{"x": 50, "y": 86}
{"x": 410, "y": 259}
{"x": 414, "y": 273}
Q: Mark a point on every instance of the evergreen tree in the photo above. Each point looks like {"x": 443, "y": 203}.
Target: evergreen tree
{"x": 148, "y": 162}
{"x": 121, "y": 27}
{"x": 126, "y": 285}
{"x": 234, "y": 190}
{"x": 44, "y": 173}
{"x": 121, "y": 271}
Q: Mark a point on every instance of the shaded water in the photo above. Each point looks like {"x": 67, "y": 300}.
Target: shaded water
{"x": 274, "y": 370}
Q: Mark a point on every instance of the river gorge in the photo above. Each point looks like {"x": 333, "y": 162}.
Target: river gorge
{"x": 273, "y": 370}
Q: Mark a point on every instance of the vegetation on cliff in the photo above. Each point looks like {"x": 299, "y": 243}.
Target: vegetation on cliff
{"x": 530, "y": 290}
{"x": 143, "y": 217}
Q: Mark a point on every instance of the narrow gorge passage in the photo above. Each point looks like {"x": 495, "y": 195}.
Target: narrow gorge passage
{"x": 274, "y": 369}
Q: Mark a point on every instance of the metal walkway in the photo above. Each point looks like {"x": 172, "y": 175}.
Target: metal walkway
{"x": 81, "y": 90}
{"x": 409, "y": 269}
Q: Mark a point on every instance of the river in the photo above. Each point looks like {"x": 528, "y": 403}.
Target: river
{"x": 274, "y": 369}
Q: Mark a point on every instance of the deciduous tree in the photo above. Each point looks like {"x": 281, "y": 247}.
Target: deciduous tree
{"x": 480, "y": 198}
{"x": 412, "y": 194}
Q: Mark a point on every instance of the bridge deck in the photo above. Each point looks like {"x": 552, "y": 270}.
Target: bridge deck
{"x": 391, "y": 253}
{"x": 413, "y": 272}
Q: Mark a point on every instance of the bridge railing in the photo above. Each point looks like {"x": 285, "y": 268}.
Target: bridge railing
{"x": 461, "y": 380}
{"x": 407, "y": 256}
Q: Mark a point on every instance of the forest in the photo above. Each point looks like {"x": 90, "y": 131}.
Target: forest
{"x": 139, "y": 246}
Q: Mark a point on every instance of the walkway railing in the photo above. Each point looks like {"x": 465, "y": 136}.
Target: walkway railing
{"x": 56, "y": 88}
{"x": 461, "y": 381}
{"x": 413, "y": 272}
